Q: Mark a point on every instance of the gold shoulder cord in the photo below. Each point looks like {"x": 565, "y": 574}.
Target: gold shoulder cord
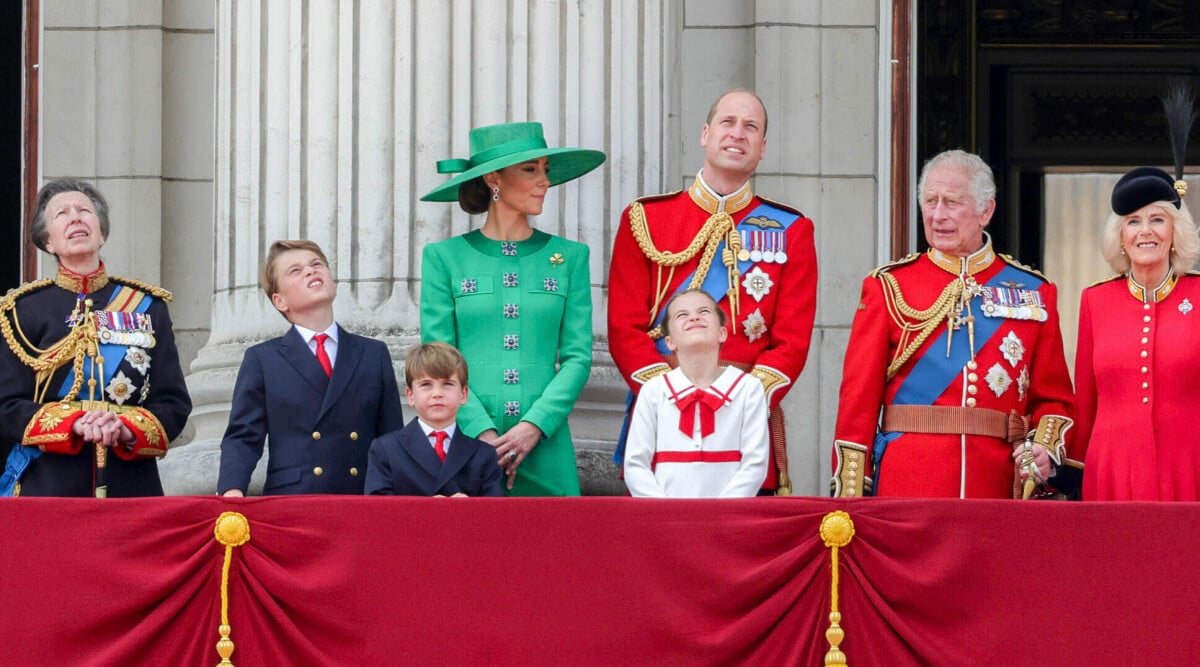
{"x": 910, "y": 320}
{"x": 80, "y": 343}
{"x": 717, "y": 227}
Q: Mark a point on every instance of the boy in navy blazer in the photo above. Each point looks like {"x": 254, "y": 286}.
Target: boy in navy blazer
{"x": 318, "y": 395}
{"x": 432, "y": 456}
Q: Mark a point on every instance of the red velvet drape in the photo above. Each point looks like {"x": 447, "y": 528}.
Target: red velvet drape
{"x": 382, "y": 581}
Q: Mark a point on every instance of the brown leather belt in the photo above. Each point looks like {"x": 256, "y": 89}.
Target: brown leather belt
{"x": 949, "y": 420}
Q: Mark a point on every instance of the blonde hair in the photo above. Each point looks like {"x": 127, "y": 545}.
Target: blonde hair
{"x": 1185, "y": 243}
{"x": 434, "y": 360}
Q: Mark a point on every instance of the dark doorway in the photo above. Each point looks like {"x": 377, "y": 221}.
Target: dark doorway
{"x": 12, "y": 96}
{"x": 1030, "y": 84}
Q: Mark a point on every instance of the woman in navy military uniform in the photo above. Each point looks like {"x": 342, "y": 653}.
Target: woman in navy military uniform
{"x": 93, "y": 391}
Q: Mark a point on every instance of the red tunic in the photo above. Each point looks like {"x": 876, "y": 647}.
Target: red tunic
{"x": 1018, "y": 366}
{"x": 1136, "y": 373}
{"x": 772, "y": 334}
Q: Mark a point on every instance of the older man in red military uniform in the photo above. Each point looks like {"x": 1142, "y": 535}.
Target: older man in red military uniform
{"x": 954, "y": 383}
{"x": 755, "y": 257}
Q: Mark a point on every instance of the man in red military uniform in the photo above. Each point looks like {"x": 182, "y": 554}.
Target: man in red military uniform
{"x": 755, "y": 257}
{"x": 954, "y": 383}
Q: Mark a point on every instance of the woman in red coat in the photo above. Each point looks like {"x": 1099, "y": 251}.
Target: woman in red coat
{"x": 1137, "y": 360}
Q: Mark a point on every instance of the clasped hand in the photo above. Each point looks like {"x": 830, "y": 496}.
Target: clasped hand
{"x": 103, "y": 428}
{"x": 513, "y": 446}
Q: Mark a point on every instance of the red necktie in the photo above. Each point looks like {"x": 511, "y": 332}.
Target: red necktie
{"x": 322, "y": 355}
{"x": 708, "y": 404}
{"x": 440, "y": 445}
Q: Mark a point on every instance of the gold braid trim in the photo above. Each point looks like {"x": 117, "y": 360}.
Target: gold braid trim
{"x": 153, "y": 290}
{"x": 77, "y": 345}
{"x": 715, "y": 229}
{"x": 910, "y": 320}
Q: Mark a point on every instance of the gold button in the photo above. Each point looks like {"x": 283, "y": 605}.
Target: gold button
{"x": 316, "y": 435}
{"x": 354, "y": 435}
{"x": 318, "y": 471}
{"x": 1145, "y": 354}
{"x": 1145, "y": 329}
{"x": 1145, "y": 399}
{"x": 971, "y": 377}
{"x": 1146, "y": 318}
{"x": 1145, "y": 370}
{"x": 1145, "y": 306}
{"x": 972, "y": 365}
{"x": 854, "y": 465}
{"x": 971, "y": 402}
{"x": 354, "y": 472}
{"x": 1145, "y": 385}
{"x": 972, "y": 389}
{"x": 1145, "y": 340}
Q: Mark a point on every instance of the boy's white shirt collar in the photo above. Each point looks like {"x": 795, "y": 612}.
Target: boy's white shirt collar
{"x": 450, "y": 431}
{"x": 307, "y": 334}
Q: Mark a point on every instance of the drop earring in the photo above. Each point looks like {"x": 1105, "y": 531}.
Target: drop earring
{"x": 495, "y": 193}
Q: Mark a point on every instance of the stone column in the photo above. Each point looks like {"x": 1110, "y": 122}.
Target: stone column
{"x": 330, "y": 117}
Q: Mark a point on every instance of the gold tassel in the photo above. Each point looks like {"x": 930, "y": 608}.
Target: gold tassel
{"x": 729, "y": 256}
{"x": 232, "y": 530}
{"x": 837, "y": 529}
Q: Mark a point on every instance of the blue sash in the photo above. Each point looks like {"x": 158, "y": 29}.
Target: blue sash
{"x": 716, "y": 283}
{"x": 934, "y": 371}
{"x": 21, "y": 456}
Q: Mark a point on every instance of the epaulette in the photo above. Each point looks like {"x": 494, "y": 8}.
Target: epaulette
{"x": 17, "y": 292}
{"x": 1110, "y": 279}
{"x": 649, "y": 198}
{"x": 780, "y": 205}
{"x": 152, "y": 290}
{"x": 1024, "y": 267}
{"x": 909, "y": 259}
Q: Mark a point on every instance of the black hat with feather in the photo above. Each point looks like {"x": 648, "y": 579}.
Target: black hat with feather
{"x": 1146, "y": 185}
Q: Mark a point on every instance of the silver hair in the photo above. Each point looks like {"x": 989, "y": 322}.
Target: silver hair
{"x": 983, "y": 186}
{"x": 1185, "y": 241}
{"x": 37, "y": 228}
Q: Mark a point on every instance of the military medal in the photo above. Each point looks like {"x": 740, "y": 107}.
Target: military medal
{"x": 744, "y": 254}
{"x": 769, "y": 253}
{"x": 756, "y": 246}
{"x": 781, "y": 255}
{"x": 123, "y": 328}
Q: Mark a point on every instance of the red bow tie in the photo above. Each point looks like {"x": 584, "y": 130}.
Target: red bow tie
{"x": 708, "y": 404}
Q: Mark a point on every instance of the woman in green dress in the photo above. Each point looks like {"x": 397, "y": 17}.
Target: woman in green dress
{"x": 516, "y": 301}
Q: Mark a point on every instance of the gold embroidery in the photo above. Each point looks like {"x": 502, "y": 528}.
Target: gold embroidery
{"x": 770, "y": 378}
{"x": 49, "y": 422}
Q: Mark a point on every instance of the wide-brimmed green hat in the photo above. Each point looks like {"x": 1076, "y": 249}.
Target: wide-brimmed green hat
{"x": 495, "y": 147}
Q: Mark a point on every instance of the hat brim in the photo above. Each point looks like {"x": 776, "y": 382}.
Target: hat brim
{"x": 565, "y": 164}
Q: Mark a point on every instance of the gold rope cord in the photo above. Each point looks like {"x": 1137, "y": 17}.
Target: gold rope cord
{"x": 910, "y": 320}
{"x": 715, "y": 229}
{"x": 232, "y": 530}
{"x": 837, "y": 529}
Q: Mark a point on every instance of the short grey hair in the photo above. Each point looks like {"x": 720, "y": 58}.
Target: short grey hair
{"x": 1184, "y": 239}
{"x": 983, "y": 185}
{"x": 38, "y": 232}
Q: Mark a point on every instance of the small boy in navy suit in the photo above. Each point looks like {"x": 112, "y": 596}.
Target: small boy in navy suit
{"x": 432, "y": 456}
{"x": 318, "y": 395}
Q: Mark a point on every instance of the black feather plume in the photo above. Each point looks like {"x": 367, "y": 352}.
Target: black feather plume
{"x": 1178, "y": 105}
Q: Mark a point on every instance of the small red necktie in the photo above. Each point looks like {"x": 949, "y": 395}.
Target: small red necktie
{"x": 322, "y": 355}
{"x": 708, "y": 404}
{"x": 440, "y": 445}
